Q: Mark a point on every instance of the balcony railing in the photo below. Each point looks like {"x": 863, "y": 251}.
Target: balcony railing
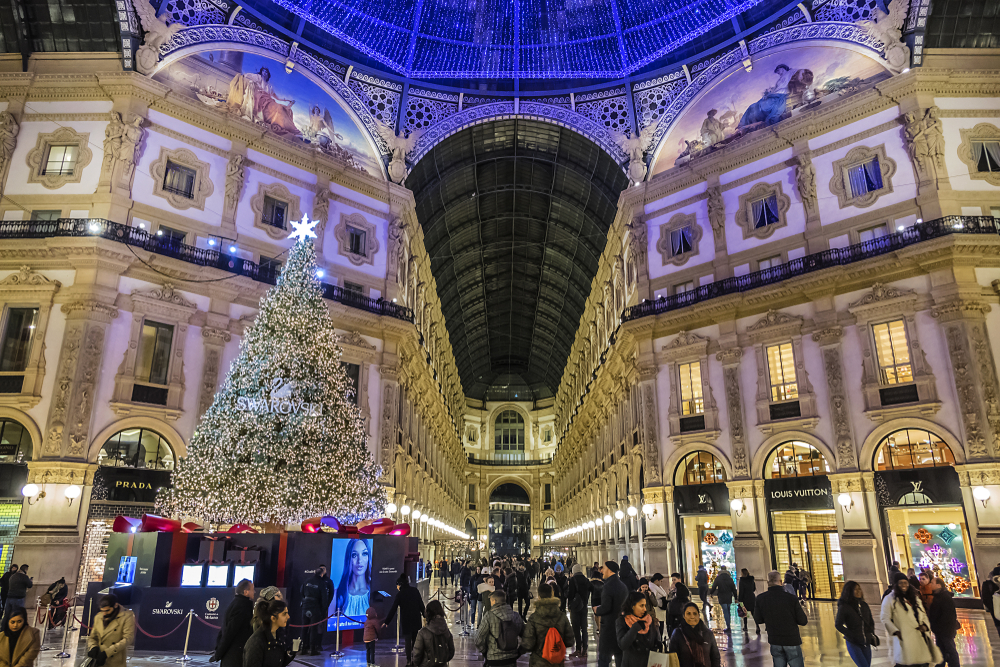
{"x": 140, "y": 238}
{"x": 509, "y": 461}
{"x": 931, "y": 229}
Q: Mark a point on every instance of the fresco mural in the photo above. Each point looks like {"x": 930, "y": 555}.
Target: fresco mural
{"x": 781, "y": 85}
{"x": 259, "y": 89}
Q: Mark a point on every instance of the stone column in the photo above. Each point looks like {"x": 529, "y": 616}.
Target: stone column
{"x": 659, "y": 547}
{"x": 983, "y": 517}
{"x": 51, "y": 529}
{"x": 390, "y": 418}
{"x": 859, "y": 547}
{"x": 214, "y": 341}
{"x": 750, "y": 547}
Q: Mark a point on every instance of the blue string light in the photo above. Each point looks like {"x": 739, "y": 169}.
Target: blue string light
{"x": 531, "y": 39}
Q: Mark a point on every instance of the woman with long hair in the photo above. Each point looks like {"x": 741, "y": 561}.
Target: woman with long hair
{"x": 855, "y": 622}
{"x": 19, "y": 643}
{"x": 264, "y": 648}
{"x": 354, "y": 591}
{"x": 906, "y": 622}
{"x": 637, "y": 631}
{"x": 693, "y": 642}
{"x": 747, "y": 596}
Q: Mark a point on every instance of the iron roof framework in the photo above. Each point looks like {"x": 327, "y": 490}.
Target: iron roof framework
{"x": 515, "y": 216}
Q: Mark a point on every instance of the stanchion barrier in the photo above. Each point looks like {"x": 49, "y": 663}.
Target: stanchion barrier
{"x": 337, "y": 653}
{"x": 139, "y": 628}
{"x": 292, "y": 625}
{"x": 204, "y": 622}
{"x": 45, "y": 630}
{"x": 67, "y": 628}
{"x": 82, "y": 624}
{"x": 184, "y": 658}
{"x": 398, "y": 648}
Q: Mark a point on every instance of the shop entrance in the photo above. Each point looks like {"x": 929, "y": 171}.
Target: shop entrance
{"x": 810, "y": 540}
{"x": 704, "y": 525}
{"x": 934, "y": 538}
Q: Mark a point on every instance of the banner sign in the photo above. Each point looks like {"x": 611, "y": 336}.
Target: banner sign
{"x": 799, "y": 493}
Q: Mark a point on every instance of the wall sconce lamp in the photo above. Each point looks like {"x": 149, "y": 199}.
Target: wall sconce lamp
{"x": 846, "y": 501}
{"x": 31, "y": 492}
{"x": 632, "y": 511}
{"x": 619, "y": 515}
{"x": 72, "y": 492}
{"x": 649, "y": 510}
{"x": 405, "y": 509}
{"x": 982, "y": 494}
{"x": 737, "y": 506}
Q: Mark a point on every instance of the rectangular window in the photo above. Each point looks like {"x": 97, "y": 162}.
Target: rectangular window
{"x": 681, "y": 241}
{"x": 995, "y": 211}
{"x": 548, "y": 494}
{"x": 781, "y": 367}
{"x": 865, "y": 177}
{"x": 872, "y": 233}
{"x": 46, "y": 215}
{"x": 893, "y": 352}
{"x": 472, "y": 493}
{"x": 17, "y": 339}
{"x": 547, "y": 436}
{"x": 684, "y": 287}
{"x": 356, "y": 241}
{"x": 692, "y": 402}
{"x": 987, "y": 155}
{"x": 353, "y": 376}
{"x": 154, "y": 352}
{"x": 354, "y": 288}
{"x": 764, "y": 211}
{"x": 61, "y": 160}
{"x": 179, "y": 180}
{"x": 269, "y": 266}
{"x": 769, "y": 262}
{"x": 170, "y": 236}
{"x": 275, "y": 213}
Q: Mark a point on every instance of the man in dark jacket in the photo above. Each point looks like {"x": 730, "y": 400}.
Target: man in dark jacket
{"x": 456, "y": 567}
{"x": 315, "y": 605}
{"x": 523, "y": 591}
{"x": 596, "y": 586}
{"x": 782, "y": 614}
{"x": 236, "y": 628}
{"x": 17, "y": 590}
{"x": 5, "y": 586}
{"x": 725, "y": 590}
{"x": 613, "y": 596}
{"x": 987, "y": 589}
{"x": 627, "y": 574}
{"x": 411, "y": 614}
{"x": 578, "y": 599}
{"x": 702, "y": 580}
{"x": 944, "y": 621}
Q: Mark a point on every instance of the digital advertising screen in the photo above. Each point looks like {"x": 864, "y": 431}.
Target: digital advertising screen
{"x": 218, "y": 575}
{"x": 191, "y": 574}
{"x": 126, "y": 570}
{"x": 364, "y": 573}
{"x": 241, "y": 572}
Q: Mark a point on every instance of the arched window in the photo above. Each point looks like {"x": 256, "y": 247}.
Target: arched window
{"x": 15, "y": 442}
{"x": 912, "y": 448}
{"x": 549, "y": 523}
{"x": 796, "y": 459}
{"x": 509, "y": 436}
{"x": 137, "y": 448}
{"x": 699, "y": 468}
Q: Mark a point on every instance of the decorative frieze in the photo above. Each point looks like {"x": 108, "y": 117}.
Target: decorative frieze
{"x": 730, "y": 359}
{"x": 840, "y": 410}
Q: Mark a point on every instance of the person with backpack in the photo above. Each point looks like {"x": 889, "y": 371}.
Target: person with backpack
{"x": 370, "y": 634}
{"x": 636, "y": 631}
{"x": 435, "y": 645}
{"x": 596, "y": 587}
{"x": 547, "y": 634}
{"x": 411, "y": 608}
{"x": 693, "y": 642}
{"x": 725, "y": 590}
{"x": 498, "y": 634}
{"x": 578, "y": 597}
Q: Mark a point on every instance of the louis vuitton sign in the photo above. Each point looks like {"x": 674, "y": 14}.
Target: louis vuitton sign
{"x": 799, "y": 493}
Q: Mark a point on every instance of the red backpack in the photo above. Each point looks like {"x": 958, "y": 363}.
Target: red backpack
{"x": 554, "y": 650}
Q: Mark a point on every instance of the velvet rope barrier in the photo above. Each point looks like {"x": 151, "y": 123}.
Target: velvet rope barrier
{"x": 179, "y": 626}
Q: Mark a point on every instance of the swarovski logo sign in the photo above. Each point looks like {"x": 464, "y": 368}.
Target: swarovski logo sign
{"x": 280, "y": 401}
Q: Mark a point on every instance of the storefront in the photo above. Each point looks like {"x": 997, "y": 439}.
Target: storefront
{"x": 15, "y": 450}
{"x": 920, "y": 502}
{"x": 133, "y": 466}
{"x": 704, "y": 524}
{"x": 801, "y": 518}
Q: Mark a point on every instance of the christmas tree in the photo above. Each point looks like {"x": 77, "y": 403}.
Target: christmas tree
{"x": 282, "y": 441}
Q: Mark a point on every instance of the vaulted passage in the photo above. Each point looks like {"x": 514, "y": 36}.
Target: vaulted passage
{"x": 515, "y": 216}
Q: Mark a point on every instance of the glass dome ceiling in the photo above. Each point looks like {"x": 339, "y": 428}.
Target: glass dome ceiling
{"x": 503, "y": 39}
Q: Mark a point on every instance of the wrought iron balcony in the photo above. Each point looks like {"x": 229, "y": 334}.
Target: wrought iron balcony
{"x": 509, "y": 461}
{"x": 140, "y": 238}
{"x": 931, "y": 229}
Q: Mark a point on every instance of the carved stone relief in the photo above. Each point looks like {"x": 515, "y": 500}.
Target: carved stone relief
{"x": 730, "y": 359}
{"x": 968, "y": 395}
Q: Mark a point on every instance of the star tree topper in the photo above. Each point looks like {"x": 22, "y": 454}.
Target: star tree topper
{"x": 303, "y": 230}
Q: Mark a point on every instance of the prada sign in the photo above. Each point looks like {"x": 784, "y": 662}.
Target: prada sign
{"x": 799, "y": 493}
{"x": 136, "y": 485}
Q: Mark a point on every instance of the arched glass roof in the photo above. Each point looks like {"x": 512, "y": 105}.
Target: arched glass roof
{"x": 531, "y": 39}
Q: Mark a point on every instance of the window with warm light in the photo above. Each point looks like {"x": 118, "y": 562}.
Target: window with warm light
{"x": 912, "y": 448}
{"x": 893, "y": 351}
{"x": 796, "y": 459}
{"x": 137, "y": 448}
{"x": 689, "y": 381}
{"x": 781, "y": 371}
{"x": 699, "y": 468}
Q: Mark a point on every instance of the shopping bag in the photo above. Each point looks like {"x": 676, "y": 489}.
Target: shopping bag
{"x": 657, "y": 659}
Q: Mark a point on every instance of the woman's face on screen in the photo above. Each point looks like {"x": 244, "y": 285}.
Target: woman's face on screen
{"x": 359, "y": 558}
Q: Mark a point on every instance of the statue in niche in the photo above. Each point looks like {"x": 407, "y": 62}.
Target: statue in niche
{"x": 805, "y": 181}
